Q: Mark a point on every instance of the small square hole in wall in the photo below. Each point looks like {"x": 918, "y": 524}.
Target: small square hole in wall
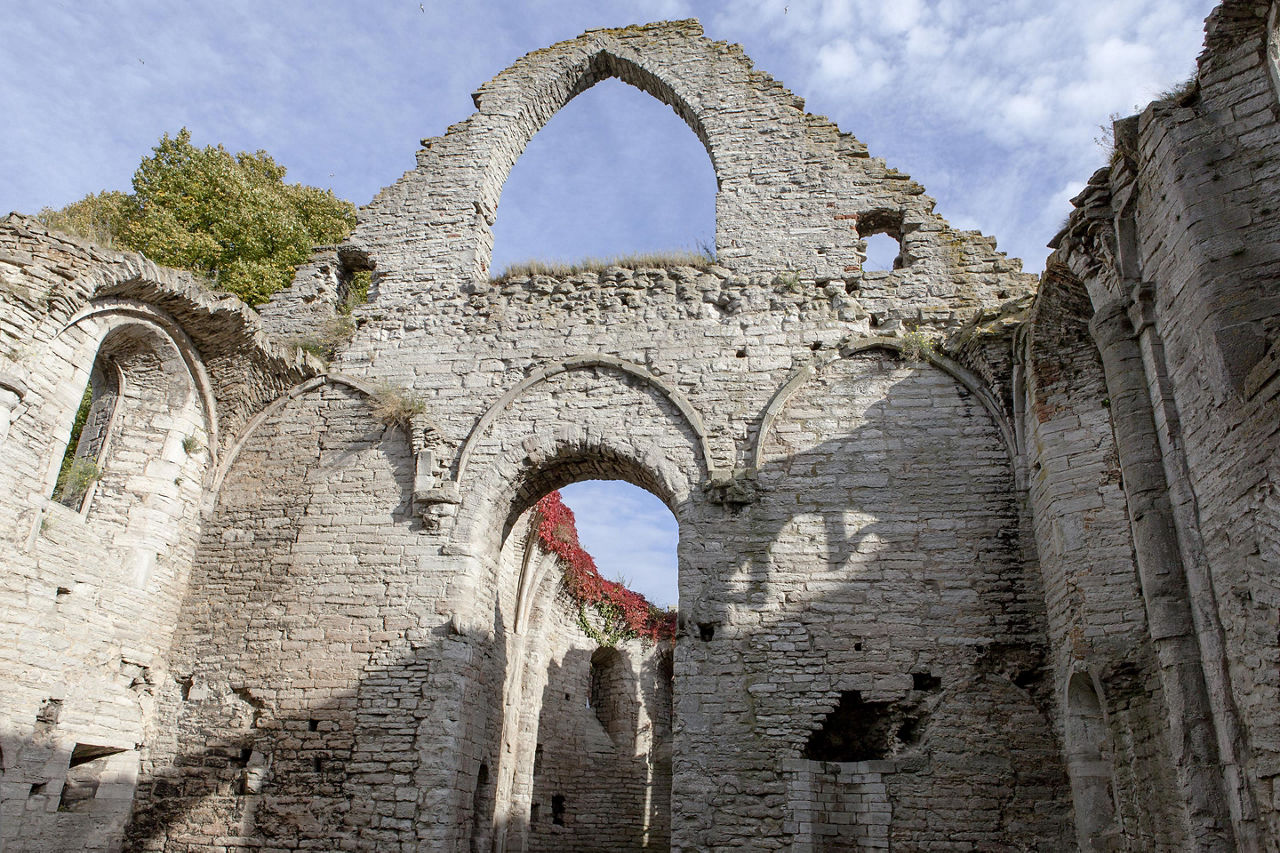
{"x": 925, "y": 681}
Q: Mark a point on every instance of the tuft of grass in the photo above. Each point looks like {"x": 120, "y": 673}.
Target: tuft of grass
{"x": 702, "y": 258}
{"x": 336, "y": 331}
{"x": 190, "y": 445}
{"x": 397, "y": 406}
{"x": 1182, "y": 94}
{"x": 915, "y": 346}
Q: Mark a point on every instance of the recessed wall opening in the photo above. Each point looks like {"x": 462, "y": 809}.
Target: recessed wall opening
{"x": 480, "y": 809}
{"x": 557, "y": 809}
{"x": 856, "y": 730}
{"x": 85, "y": 772}
{"x": 603, "y": 737}
{"x": 82, "y": 459}
{"x": 861, "y": 730}
{"x": 1089, "y": 764}
{"x": 614, "y": 173}
{"x": 138, "y": 432}
{"x": 881, "y": 230}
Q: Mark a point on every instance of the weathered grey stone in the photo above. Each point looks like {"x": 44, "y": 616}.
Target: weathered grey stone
{"x": 955, "y": 573}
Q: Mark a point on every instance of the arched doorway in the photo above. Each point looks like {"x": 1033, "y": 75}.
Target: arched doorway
{"x": 588, "y": 702}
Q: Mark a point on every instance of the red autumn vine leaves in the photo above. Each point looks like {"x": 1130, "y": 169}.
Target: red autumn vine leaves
{"x": 558, "y": 534}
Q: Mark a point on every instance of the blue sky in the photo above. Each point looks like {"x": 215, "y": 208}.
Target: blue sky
{"x": 993, "y": 106}
{"x": 630, "y": 533}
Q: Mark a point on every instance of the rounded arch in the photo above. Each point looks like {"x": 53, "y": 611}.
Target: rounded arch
{"x": 667, "y": 390}
{"x": 947, "y": 365}
{"x": 113, "y": 313}
{"x": 367, "y": 388}
{"x": 1089, "y": 764}
{"x": 546, "y": 463}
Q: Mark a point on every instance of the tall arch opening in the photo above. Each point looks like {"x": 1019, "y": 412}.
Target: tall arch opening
{"x": 616, "y": 174}
{"x": 589, "y": 696}
{"x": 137, "y": 444}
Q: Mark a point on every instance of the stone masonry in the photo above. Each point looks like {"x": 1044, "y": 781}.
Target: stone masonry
{"x": 969, "y": 560}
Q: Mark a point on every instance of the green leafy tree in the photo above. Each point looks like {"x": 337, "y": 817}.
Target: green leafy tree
{"x": 232, "y": 218}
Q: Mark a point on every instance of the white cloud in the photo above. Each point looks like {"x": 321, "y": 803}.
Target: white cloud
{"x": 900, "y": 15}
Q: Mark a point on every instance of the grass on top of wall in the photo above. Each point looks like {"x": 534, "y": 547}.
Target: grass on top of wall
{"x": 701, "y": 259}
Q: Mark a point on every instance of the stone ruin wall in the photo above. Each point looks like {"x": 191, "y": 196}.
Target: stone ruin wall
{"x": 1013, "y": 592}
{"x": 1175, "y": 245}
{"x": 93, "y": 587}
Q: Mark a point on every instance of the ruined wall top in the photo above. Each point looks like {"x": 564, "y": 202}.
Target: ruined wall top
{"x": 51, "y": 282}
{"x": 796, "y": 195}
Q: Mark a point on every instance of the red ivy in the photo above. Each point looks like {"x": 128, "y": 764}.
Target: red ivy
{"x": 558, "y": 534}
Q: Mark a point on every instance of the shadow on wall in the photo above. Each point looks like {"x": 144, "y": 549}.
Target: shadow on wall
{"x": 885, "y": 559}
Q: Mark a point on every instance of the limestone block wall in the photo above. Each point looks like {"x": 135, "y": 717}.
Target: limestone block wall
{"x": 595, "y": 781}
{"x": 302, "y": 312}
{"x": 92, "y": 585}
{"x": 1208, "y": 176}
{"x": 839, "y": 805}
{"x": 1121, "y": 771}
{"x": 1176, "y": 244}
{"x": 306, "y": 651}
{"x": 795, "y": 194}
{"x": 885, "y": 560}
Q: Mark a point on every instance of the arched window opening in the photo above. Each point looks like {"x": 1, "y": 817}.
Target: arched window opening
{"x": 479, "y": 812}
{"x": 615, "y": 173}
{"x": 603, "y": 736}
{"x": 81, "y": 463}
{"x": 1089, "y": 765}
{"x": 136, "y": 453}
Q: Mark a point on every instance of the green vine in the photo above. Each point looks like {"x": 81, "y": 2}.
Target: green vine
{"x": 614, "y": 627}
